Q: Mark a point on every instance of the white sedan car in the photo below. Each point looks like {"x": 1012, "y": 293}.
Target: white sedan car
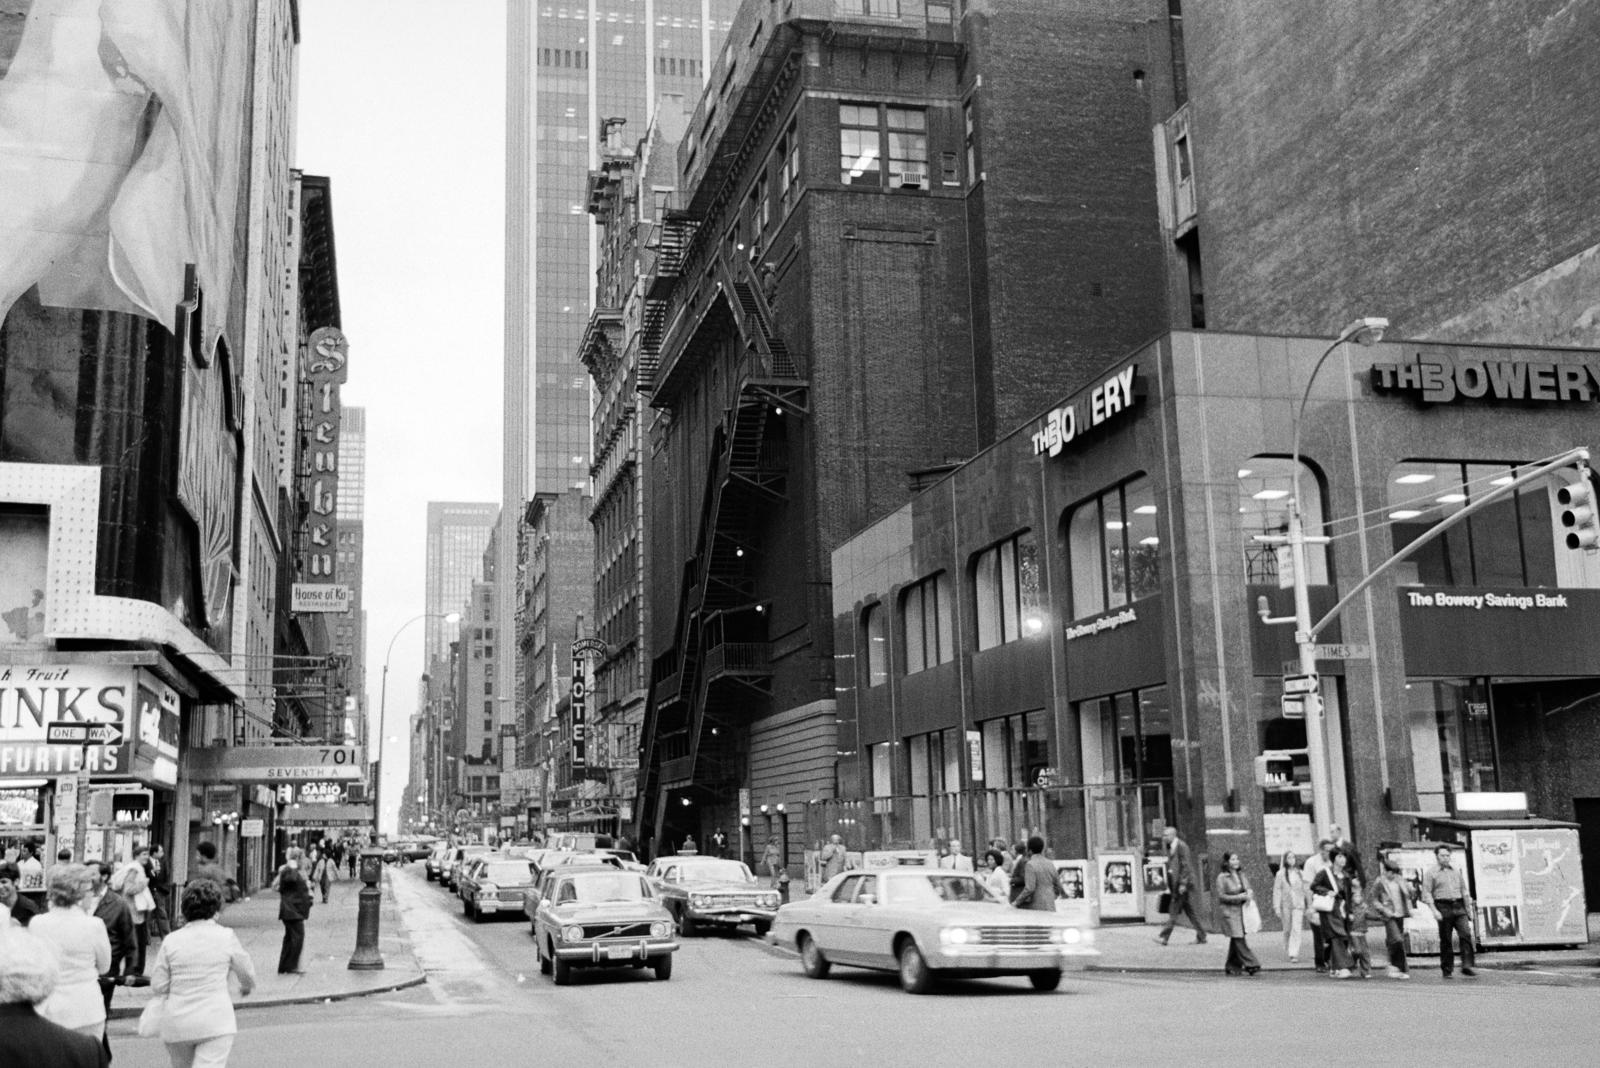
{"x": 927, "y": 924}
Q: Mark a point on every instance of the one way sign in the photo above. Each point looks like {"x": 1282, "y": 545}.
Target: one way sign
{"x": 68, "y": 732}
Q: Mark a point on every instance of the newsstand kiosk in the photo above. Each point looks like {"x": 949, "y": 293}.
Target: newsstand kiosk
{"x": 1526, "y": 873}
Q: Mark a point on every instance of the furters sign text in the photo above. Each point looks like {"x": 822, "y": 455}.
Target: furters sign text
{"x": 1072, "y": 420}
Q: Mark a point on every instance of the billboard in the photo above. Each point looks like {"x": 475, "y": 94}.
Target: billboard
{"x": 326, "y": 369}
{"x": 33, "y": 696}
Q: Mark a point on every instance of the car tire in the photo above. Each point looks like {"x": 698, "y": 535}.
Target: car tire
{"x": 686, "y": 925}
{"x": 662, "y": 966}
{"x": 811, "y": 959}
{"x": 762, "y": 927}
{"x": 466, "y": 909}
{"x": 1046, "y": 980}
{"x": 561, "y": 971}
{"x": 544, "y": 961}
{"x": 477, "y": 914}
{"x": 915, "y": 975}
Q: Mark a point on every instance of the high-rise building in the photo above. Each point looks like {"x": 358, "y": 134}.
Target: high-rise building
{"x": 458, "y": 532}
{"x": 350, "y": 629}
{"x": 571, "y": 71}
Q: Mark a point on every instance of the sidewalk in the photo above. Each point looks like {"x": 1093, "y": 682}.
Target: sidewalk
{"x": 330, "y": 941}
{"x": 1133, "y": 948}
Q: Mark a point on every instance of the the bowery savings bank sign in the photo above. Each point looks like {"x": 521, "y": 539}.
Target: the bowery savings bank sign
{"x": 1443, "y": 374}
{"x": 1072, "y": 420}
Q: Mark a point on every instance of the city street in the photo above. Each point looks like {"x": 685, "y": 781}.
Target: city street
{"x": 735, "y": 1000}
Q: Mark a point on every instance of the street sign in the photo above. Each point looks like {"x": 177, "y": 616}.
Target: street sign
{"x": 1293, "y": 706}
{"x": 72, "y": 732}
{"x": 1300, "y": 684}
{"x": 276, "y": 764}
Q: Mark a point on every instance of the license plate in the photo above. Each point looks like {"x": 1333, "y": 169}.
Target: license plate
{"x": 619, "y": 952}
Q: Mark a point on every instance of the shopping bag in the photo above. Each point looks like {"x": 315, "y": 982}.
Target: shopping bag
{"x": 1252, "y": 918}
{"x": 150, "y": 1019}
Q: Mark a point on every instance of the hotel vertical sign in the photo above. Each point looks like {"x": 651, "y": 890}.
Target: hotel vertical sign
{"x": 581, "y": 651}
{"x": 327, "y": 369}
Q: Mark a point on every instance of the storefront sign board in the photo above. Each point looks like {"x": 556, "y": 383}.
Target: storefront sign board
{"x": 252, "y": 828}
{"x": 274, "y": 764}
{"x": 1550, "y": 869}
{"x": 1288, "y": 832}
{"x": 1107, "y": 401}
{"x": 34, "y": 696}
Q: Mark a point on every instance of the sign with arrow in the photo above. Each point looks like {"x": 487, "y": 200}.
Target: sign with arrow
{"x": 72, "y": 732}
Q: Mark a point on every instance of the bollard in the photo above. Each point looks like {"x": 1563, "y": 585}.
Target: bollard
{"x": 366, "y": 956}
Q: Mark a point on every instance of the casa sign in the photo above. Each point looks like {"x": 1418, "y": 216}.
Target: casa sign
{"x": 1444, "y": 374}
{"x": 1100, "y": 405}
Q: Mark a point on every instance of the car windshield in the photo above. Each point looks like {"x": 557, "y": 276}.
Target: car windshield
{"x": 602, "y": 886}
{"x": 715, "y": 871}
{"x": 932, "y": 889}
{"x": 507, "y": 872}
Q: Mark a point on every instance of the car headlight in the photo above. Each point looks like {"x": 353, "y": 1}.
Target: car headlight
{"x": 487, "y": 888}
{"x": 660, "y": 929}
{"x": 1067, "y": 935}
{"x": 958, "y": 936}
{"x": 699, "y": 901}
{"x": 572, "y": 934}
{"x": 770, "y": 901}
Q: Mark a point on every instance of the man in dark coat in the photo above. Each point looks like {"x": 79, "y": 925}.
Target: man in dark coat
{"x": 294, "y": 909}
{"x": 113, "y": 912}
{"x": 28, "y": 973}
{"x": 1182, "y": 879}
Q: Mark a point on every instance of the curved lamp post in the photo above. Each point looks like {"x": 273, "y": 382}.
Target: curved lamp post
{"x": 383, "y": 700}
{"x": 1364, "y": 331}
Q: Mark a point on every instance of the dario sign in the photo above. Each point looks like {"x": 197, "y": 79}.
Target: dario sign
{"x": 327, "y": 368}
{"x": 1442, "y": 374}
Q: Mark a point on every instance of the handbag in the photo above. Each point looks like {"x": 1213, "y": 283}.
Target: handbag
{"x": 144, "y": 900}
{"x": 150, "y": 1019}
{"x": 1164, "y": 902}
{"x": 1322, "y": 902}
{"x": 1252, "y": 918}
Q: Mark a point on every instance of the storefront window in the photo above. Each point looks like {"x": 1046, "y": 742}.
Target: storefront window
{"x": 1265, "y": 488}
{"x": 1452, "y": 740}
{"x": 1113, "y": 546}
{"x": 1127, "y": 742}
{"x": 926, "y": 612}
{"x": 1006, "y": 589}
{"x": 1515, "y": 541}
{"x": 1015, "y": 749}
{"x": 882, "y": 770}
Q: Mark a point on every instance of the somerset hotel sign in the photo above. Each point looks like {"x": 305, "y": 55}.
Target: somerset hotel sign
{"x": 1441, "y": 374}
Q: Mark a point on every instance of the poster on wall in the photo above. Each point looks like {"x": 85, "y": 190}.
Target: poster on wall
{"x": 1288, "y": 832}
{"x": 1078, "y": 904}
{"x": 1120, "y": 886}
{"x": 1552, "y": 907}
{"x": 1497, "y": 886}
{"x": 24, "y": 546}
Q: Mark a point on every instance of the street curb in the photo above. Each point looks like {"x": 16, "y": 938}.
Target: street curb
{"x": 133, "y": 1013}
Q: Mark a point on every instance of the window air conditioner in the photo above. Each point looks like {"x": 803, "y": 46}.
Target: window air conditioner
{"x": 915, "y": 177}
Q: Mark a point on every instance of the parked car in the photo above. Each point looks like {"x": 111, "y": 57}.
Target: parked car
{"x": 418, "y": 850}
{"x": 495, "y": 883}
{"x": 459, "y": 855}
{"x": 927, "y": 924}
{"x": 437, "y": 859}
{"x": 702, "y": 891}
{"x": 590, "y": 916}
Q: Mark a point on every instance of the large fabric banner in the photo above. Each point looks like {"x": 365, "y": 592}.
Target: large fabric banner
{"x": 122, "y": 130}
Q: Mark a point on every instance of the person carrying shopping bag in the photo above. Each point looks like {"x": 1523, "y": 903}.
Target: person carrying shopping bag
{"x": 1234, "y": 900}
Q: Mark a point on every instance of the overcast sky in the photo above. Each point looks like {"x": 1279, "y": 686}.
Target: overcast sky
{"x": 402, "y": 106}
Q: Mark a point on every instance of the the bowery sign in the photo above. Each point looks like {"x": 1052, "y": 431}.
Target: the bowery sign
{"x": 1440, "y": 375}
{"x": 1110, "y": 398}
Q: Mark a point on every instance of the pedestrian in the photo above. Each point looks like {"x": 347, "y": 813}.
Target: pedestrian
{"x": 294, "y": 909}
{"x": 953, "y": 858}
{"x": 208, "y": 870}
{"x": 1041, "y": 883}
{"x": 319, "y": 874}
{"x": 832, "y": 857}
{"x": 995, "y": 877}
{"x": 350, "y": 859}
{"x": 28, "y": 975}
{"x": 1391, "y": 897}
{"x": 772, "y": 860}
{"x": 191, "y": 973}
{"x": 160, "y": 876}
{"x": 31, "y": 869}
{"x": 1234, "y": 896}
{"x": 84, "y": 953}
{"x": 1182, "y": 878}
{"x": 1360, "y": 917}
{"x": 14, "y": 908}
{"x": 111, "y": 911}
{"x": 1330, "y": 897}
{"x": 1319, "y": 930}
{"x": 1445, "y": 891}
{"x": 134, "y": 885}
{"x": 1289, "y": 902}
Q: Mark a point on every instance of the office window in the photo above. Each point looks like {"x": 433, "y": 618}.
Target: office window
{"x": 883, "y": 9}
{"x": 1113, "y": 546}
{"x": 908, "y": 148}
{"x": 970, "y": 123}
{"x": 788, "y": 154}
{"x": 860, "y": 145}
{"x": 927, "y": 617}
{"x": 877, "y": 645}
{"x": 488, "y": 686}
{"x": 1266, "y": 485}
{"x": 1006, "y": 591}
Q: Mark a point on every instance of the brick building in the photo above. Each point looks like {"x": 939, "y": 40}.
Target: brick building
{"x": 860, "y": 302}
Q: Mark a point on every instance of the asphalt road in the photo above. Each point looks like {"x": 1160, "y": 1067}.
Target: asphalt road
{"x": 733, "y": 1001}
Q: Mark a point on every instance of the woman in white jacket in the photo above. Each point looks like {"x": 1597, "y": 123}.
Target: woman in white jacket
{"x": 84, "y": 950}
{"x": 191, "y": 972}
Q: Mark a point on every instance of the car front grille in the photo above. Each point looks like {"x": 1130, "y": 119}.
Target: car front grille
{"x": 1014, "y": 936}
{"x": 742, "y": 901}
{"x": 509, "y": 895}
{"x": 616, "y": 930}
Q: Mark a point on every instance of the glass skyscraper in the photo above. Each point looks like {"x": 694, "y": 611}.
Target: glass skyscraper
{"x": 458, "y": 533}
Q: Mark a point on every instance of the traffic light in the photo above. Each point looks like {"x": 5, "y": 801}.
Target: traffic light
{"x": 1578, "y": 519}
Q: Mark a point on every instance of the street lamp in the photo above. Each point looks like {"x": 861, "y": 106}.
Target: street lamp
{"x": 383, "y": 701}
{"x": 1364, "y": 331}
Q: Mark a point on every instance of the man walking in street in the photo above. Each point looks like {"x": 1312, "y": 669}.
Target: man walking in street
{"x": 832, "y": 857}
{"x": 294, "y": 909}
{"x": 1320, "y": 944}
{"x": 1391, "y": 894}
{"x": 1445, "y": 890}
{"x": 1041, "y": 884}
{"x": 1181, "y": 881}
